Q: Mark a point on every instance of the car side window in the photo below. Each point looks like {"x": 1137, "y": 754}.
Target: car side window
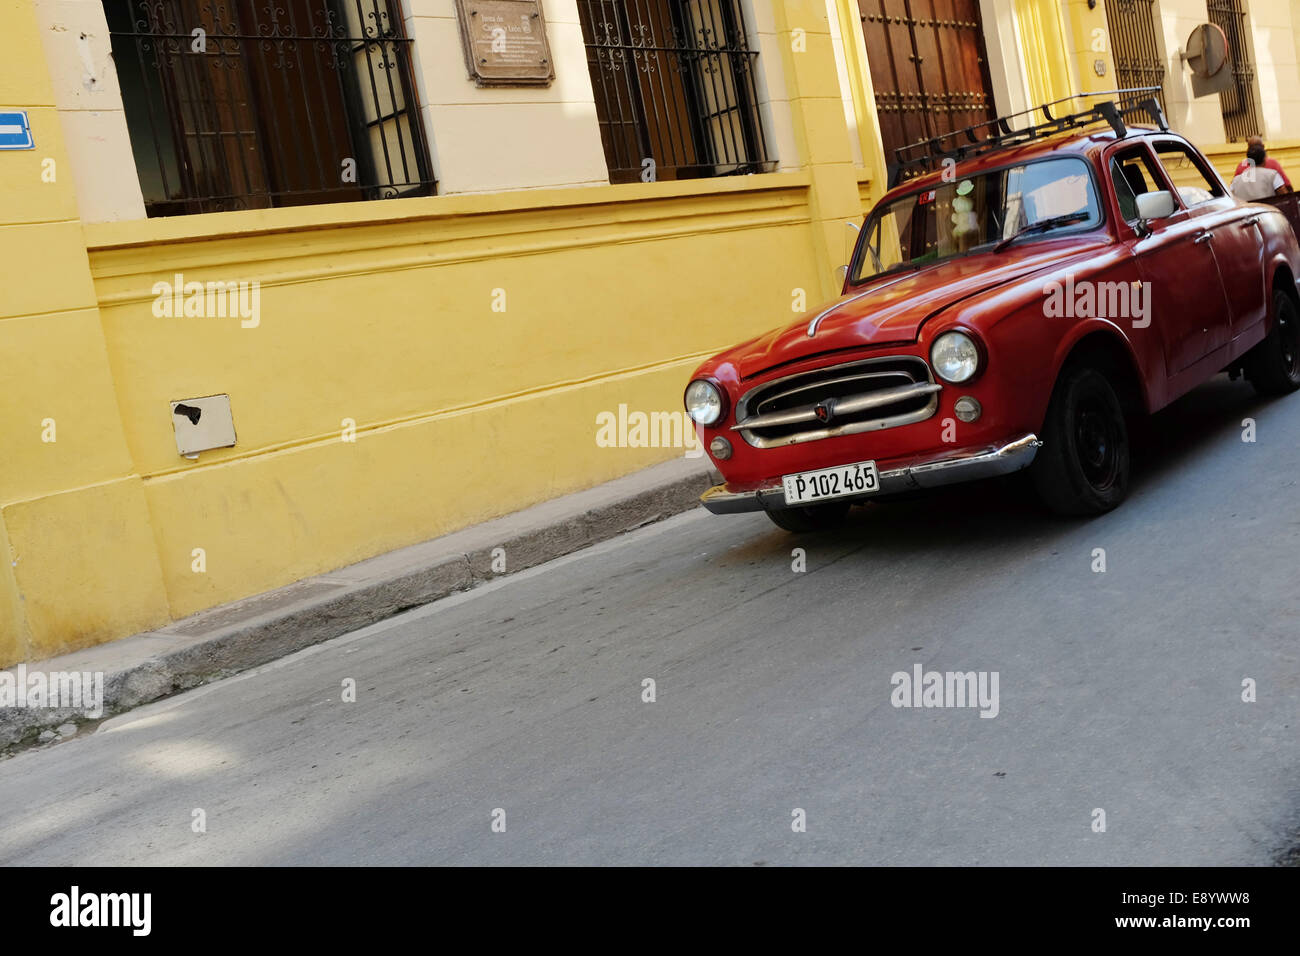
{"x": 1133, "y": 174}
{"x": 1187, "y": 174}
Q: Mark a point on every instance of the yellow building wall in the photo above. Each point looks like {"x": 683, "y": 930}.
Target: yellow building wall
{"x": 1041, "y": 27}
{"x": 1088, "y": 47}
{"x": 473, "y": 340}
{"x": 80, "y": 565}
{"x": 820, "y": 132}
{"x": 383, "y": 313}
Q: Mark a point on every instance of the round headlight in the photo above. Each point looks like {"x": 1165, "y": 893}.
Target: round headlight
{"x": 954, "y": 357}
{"x": 704, "y": 402}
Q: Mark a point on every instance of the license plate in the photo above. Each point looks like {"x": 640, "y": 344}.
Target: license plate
{"x": 838, "y": 482}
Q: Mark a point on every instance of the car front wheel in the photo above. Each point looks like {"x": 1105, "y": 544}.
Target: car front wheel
{"x": 1083, "y": 466}
{"x": 822, "y": 517}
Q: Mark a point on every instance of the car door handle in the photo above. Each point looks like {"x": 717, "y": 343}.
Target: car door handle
{"x": 1252, "y": 221}
{"x": 1203, "y": 237}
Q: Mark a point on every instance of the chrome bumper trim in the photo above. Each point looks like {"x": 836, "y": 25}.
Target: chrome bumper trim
{"x": 929, "y": 474}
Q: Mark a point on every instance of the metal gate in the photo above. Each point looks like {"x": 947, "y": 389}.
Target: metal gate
{"x": 1238, "y": 100}
{"x": 928, "y": 67}
{"x": 1133, "y": 43}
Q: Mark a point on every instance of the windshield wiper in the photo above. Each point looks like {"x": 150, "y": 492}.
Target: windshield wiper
{"x": 1043, "y": 225}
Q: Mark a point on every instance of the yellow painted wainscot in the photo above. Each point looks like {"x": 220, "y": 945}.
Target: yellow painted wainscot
{"x": 78, "y": 559}
{"x": 473, "y": 341}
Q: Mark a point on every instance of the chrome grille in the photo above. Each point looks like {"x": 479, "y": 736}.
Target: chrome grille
{"x": 839, "y": 400}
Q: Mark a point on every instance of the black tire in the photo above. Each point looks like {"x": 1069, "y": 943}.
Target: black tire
{"x": 822, "y": 517}
{"x": 1273, "y": 366}
{"x": 1083, "y": 466}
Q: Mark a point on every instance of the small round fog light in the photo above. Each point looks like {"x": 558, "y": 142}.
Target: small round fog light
{"x": 720, "y": 448}
{"x": 967, "y": 409}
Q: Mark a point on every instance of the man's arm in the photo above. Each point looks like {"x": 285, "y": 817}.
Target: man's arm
{"x": 1273, "y": 164}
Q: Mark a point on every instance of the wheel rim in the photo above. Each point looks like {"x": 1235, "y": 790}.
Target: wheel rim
{"x": 1288, "y": 336}
{"x": 1097, "y": 444}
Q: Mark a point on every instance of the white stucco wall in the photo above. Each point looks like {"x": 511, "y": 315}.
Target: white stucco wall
{"x": 75, "y": 37}
{"x": 490, "y": 139}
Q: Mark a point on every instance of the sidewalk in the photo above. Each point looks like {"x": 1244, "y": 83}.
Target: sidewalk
{"x": 233, "y": 637}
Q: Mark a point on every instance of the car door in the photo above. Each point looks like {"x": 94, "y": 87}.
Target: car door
{"x": 1188, "y": 307}
{"x": 1236, "y": 239}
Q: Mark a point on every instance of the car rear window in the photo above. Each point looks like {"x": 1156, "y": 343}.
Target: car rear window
{"x": 1189, "y": 177}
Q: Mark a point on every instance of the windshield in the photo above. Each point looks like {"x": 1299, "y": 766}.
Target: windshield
{"x": 975, "y": 213}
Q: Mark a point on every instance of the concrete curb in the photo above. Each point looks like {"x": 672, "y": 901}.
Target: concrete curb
{"x": 231, "y": 638}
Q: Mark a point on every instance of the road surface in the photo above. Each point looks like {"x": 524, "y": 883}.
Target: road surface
{"x": 772, "y": 737}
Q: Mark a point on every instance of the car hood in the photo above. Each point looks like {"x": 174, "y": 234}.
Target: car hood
{"x": 887, "y": 311}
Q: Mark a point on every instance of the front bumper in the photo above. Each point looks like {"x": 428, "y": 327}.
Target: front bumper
{"x": 929, "y": 473}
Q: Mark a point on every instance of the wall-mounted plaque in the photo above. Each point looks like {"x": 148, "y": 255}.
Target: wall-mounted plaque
{"x": 505, "y": 42}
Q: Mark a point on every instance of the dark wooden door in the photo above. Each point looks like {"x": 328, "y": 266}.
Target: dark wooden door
{"x": 928, "y": 67}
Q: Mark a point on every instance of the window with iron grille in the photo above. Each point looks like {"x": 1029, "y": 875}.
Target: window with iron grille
{"x": 1133, "y": 29}
{"x": 239, "y": 104}
{"x": 674, "y": 88}
{"x": 1238, "y": 100}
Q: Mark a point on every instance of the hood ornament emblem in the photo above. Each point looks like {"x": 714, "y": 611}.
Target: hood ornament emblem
{"x": 812, "y": 326}
{"x": 825, "y": 411}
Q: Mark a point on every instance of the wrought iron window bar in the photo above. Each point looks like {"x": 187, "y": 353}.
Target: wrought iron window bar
{"x": 243, "y": 104}
{"x": 1237, "y": 103}
{"x": 1132, "y": 32}
{"x": 675, "y": 89}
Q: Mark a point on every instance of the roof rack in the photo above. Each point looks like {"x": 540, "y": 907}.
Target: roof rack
{"x": 999, "y": 132}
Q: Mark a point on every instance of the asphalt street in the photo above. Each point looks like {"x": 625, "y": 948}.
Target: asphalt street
{"x": 1118, "y": 690}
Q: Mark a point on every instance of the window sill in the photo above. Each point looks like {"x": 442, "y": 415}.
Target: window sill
{"x": 209, "y": 226}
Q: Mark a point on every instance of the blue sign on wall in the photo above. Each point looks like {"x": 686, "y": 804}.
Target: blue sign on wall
{"x": 15, "y": 130}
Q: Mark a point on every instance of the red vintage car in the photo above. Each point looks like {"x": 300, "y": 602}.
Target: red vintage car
{"x": 1012, "y": 309}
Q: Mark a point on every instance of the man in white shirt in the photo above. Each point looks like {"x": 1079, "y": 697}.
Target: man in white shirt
{"x": 1257, "y": 181}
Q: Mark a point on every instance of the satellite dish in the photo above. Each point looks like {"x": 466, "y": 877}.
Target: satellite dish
{"x": 1207, "y": 54}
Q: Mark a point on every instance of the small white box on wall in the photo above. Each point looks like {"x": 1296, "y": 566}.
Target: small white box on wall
{"x": 202, "y": 424}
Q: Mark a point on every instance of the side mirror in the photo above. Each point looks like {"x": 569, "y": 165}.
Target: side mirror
{"x": 1156, "y": 205}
